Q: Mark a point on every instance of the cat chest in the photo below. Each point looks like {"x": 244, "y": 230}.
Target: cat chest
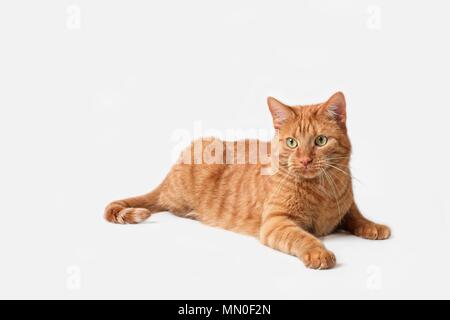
{"x": 319, "y": 215}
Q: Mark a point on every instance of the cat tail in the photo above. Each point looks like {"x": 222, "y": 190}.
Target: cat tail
{"x": 134, "y": 210}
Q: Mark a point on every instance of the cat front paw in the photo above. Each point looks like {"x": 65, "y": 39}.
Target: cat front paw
{"x": 373, "y": 231}
{"x": 318, "y": 258}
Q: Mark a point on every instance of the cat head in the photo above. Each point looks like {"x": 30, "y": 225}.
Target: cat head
{"x": 312, "y": 138}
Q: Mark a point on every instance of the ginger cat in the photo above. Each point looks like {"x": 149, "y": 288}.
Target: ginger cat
{"x": 304, "y": 190}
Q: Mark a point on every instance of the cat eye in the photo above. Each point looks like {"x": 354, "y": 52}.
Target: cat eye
{"x": 291, "y": 143}
{"x": 321, "y": 141}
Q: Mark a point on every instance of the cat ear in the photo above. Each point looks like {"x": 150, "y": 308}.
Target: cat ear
{"x": 280, "y": 112}
{"x": 336, "y": 108}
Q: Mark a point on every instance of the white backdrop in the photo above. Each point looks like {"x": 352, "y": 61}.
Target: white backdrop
{"x": 92, "y": 92}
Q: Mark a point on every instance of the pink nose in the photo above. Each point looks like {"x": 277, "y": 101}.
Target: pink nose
{"x": 305, "y": 161}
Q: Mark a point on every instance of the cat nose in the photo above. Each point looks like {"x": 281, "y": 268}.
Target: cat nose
{"x": 305, "y": 161}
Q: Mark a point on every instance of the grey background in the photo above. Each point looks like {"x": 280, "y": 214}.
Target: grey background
{"x": 92, "y": 92}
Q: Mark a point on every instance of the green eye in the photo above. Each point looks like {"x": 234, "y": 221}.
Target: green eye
{"x": 291, "y": 143}
{"x": 321, "y": 141}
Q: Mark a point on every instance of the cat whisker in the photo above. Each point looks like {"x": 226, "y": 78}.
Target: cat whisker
{"x": 334, "y": 163}
{"x": 344, "y": 172}
{"x": 337, "y": 177}
{"x": 321, "y": 183}
{"x": 333, "y": 186}
{"x": 338, "y": 164}
{"x": 278, "y": 188}
{"x": 336, "y": 158}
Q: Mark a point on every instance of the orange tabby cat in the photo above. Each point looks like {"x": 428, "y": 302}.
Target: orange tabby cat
{"x": 303, "y": 192}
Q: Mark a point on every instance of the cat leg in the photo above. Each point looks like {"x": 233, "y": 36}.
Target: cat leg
{"x": 280, "y": 232}
{"x": 355, "y": 223}
{"x": 133, "y": 210}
